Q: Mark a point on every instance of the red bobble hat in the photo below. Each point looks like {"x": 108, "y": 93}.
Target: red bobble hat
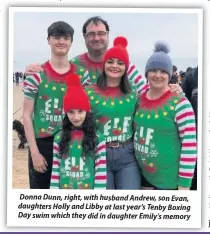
{"x": 118, "y": 51}
{"x": 75, "y": 97}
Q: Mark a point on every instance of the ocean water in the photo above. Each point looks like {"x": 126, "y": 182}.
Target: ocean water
{"x": 21, "y": 62}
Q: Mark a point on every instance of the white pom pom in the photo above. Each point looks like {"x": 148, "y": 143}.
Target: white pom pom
{"x": 160, "y": 46}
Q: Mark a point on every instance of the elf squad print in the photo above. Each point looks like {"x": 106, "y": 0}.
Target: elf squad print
{"x": 76, "y": 171}
{"x": 52, "y": 113}
{"x": 113, "y": 112}
{"x": 116, "y": 129}
{"x": 143, "y": 143}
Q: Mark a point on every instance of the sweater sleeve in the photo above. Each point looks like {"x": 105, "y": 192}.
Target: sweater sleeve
{"x": 100, "y": 165}
{"x": 31, "y": 85}
{"x": 55, "y": 176}
{"x": 138, "y": 81}
{"x": 85, "y": 80}
{"x": 185, "y": 119}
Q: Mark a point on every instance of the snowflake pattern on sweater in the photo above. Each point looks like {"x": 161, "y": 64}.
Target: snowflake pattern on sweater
{"x": 48, "y": 89}
{"x": 113, "y": 112}
{"x": 165, "y": 140}
{"x": 137, "y": 81}
{"x": 74, "y": 171}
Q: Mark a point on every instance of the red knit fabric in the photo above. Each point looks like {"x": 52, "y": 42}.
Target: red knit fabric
{"x": 118, "y": 51}
{"x": 75, "y": 97}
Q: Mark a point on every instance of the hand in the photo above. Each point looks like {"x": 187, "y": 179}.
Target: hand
{"x": 33, "y": 68}
{"x": 176, "y": 88}
{"x": 183, "y": 188}
{"x": 39, "y": 162}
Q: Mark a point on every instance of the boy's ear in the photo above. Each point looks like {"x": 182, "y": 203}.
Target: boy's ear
{"x": 48, "y": 38}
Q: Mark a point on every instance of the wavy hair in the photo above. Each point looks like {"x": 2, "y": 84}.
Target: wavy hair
{"x": 90, "y": 140}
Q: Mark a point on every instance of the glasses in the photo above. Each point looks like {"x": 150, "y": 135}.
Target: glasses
{"x": 99, "y": 34}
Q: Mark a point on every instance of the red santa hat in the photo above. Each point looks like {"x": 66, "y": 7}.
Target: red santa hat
{"x": 75, "y": 97}
{"x": 118, "y": 51}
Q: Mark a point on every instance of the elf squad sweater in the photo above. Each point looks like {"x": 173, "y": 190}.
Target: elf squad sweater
{"x": 165, "y": 140}
{"x": 113, "y": 112}
{"x": 48, "y": 89}
{"x": 74, "y": 171}
{"x": 95, "y": 68}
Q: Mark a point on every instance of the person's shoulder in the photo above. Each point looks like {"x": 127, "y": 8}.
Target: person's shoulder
{"x": 179, "y": 99}
{"x": 35, "y": 78}
{"x": 77, "y": 68}
{"x": 78, "y": 57}
{"x": 90, "y": 87}
{"x": 143, "y": 94}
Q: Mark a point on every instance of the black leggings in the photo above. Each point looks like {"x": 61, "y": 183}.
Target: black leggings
{"x": 39, "y": 180}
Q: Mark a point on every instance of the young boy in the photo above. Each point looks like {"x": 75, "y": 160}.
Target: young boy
{"x": 43, "y": 107}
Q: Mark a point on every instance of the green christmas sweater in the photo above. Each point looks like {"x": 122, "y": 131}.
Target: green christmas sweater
{"x": 113, "y": 112}
{"x": 48, "y": 89}
{"x": 74, "y": 171}
{"x": 137, "y": 81}
{"x": 165, "y": 140}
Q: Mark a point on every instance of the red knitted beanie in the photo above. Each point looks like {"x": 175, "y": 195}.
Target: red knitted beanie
{"x": 118, "y": 51}
{"x": 75, "y": 97}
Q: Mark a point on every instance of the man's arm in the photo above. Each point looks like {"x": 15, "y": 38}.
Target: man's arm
{"x": 135, "y": 77}
{"x": 28, "y": 107}
{"x": 39, "y": 162}
{"x": 185, "y": 120}
{"x": 30, "y": 88}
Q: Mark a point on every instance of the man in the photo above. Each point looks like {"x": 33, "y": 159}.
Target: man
{"x": 43, "y": 103}
{"x": 96, "y": 34}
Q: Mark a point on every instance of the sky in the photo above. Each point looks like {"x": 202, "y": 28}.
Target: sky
{"x": 178, "y": 30}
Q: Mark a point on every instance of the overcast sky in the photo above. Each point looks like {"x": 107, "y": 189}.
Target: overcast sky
{"x": 178, "y": 30}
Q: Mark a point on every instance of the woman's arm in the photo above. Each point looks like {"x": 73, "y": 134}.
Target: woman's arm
{"x": 185, "y": 120}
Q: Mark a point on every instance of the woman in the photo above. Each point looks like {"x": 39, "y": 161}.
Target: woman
{"x": 113, "y": 105}
{"x": 165, "y": 132}
{"x": 79, "y": 160}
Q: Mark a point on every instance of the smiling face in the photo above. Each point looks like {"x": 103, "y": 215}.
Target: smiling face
{"x": 158, "y": 79}
{"x": 96, "y": 38}
{"x": 60, "y": 45}
{"x": 76, "y": 117}
{"x": 114, "y": 68}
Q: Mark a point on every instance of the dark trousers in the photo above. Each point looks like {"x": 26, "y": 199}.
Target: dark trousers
{"x": 39, "y": 180}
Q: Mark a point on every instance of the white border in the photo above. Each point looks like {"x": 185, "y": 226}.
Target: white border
{"x": 111, "y": 10}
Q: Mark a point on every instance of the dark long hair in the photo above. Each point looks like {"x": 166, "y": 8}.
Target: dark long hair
{"x": 90, "y": 140}
{"x": 124, "y": 83}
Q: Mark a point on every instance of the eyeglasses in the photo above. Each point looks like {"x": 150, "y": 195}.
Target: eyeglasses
{"x": 99, "y": 34}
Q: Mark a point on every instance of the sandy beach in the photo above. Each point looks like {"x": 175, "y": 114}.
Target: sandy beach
{"x": 20, "y": 156}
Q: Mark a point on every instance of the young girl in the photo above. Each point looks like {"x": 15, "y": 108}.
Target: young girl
{"x": 165, "y": 132}
{"x": 79, "y": 160}
{"x": 113, "y": 105}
